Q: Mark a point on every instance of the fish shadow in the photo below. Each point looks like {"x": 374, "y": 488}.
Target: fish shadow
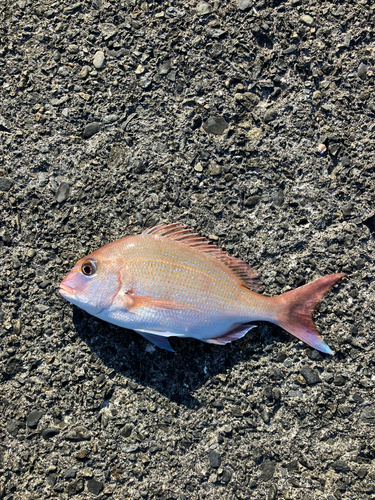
{"x": 174, "y": 375}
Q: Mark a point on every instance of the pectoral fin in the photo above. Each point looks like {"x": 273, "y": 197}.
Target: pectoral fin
{"x": 159, "y": 341}
{"x": 134, "y": 302}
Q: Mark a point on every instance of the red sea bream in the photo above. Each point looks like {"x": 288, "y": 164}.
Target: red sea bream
{"x": 169, "y": 282}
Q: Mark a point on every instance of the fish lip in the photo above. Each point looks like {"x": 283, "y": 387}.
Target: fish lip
{"x": 66, "y": 290}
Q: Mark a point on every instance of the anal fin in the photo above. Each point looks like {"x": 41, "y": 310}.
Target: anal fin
{"x": 237, "y": 332}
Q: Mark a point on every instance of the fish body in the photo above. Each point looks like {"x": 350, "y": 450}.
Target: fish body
{"x": 168, "y": 282}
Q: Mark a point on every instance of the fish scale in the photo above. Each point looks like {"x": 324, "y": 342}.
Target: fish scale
{"x": 169, "y": 281}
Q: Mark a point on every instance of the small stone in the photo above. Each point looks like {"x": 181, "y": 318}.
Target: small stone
{"x": 339, "y": 380}
{"x": 127, "y": 430}
{"x": 272, "y": 493}
{"x": 51, "y": 479}
{"x": 362, "y": 472}
{"x": 5, "y": 183}
{"x": 172, "y": 75}
{"x": 254, "y": 133}
{"x": 108, "y": 31}
{"x": 278, "y": 198}
{"x": 165, "y": 67}
{"x": 85, "y": 70}
{"x": 307, "y": 19}
{"x": 94, "y": 486}
{"x": 244, "y": 4}
{"x": 140, "y": 69}
{"x": 33, "y": 418}
{"x": 82, "y": 454}
{"x": 267, "y": 470}
{"x": 70, "y": 474}
{"x": 198, "y": 167}
{"x": 340, "y": 466}
{"x": 215, "y": 169}
{"x": 73, "y": 48}
{"x": 99, "y": 59}
{"x": 317, "y": 96}
{"x": 310, "y": 375}
{"x": 109, "y": 119}
{"x": 270, "y": 116}
{"x": 214, "y": 459}
{"x": 13, "y": 426}
{"x": 362, "y": 71}
{"x": 49, "y": 432}
{"x": 130, "y": 449}
{"x": 145, "y": 82}
{"x": 251, "y": 201}
{"x": 247, "y": 99}
{"x": 347, "y": 209}
{"x": 227, "y": 475}
{"x": 62, "y": 192}
{"x": 91, "y": 129}
{"x": 216, "y": 125}
{"x": 78, "y": 434}
{"x": 203, "y": 8}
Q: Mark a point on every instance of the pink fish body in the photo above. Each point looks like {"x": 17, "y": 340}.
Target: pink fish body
{"x": 168, "y": 282}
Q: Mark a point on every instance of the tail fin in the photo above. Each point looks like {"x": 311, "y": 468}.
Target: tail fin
{"x": 297, "y": 307}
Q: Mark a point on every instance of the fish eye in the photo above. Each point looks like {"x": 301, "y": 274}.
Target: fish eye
{"x": 88, "y": 268}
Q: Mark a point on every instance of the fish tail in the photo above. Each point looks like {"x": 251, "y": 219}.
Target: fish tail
{"x": 295, "y": 312}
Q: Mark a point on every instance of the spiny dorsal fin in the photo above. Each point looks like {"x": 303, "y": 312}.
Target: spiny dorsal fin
{"x": 177, "y": 232}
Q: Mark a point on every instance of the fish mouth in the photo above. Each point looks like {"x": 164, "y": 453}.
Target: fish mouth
{"x": 66, "y": 290}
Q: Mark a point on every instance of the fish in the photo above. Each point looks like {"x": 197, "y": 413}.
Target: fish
{"x": 170, "y": 282}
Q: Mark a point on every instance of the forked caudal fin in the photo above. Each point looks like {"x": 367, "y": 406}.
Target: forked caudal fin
{"x": 297, "y": 307}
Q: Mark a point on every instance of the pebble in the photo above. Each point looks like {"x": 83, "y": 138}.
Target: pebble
{"x": 270, "y": 116}
{"x": 165, "y": 67}
{"x": 198, "y": 167}
{"x": 109, "y": 119}
{"x": 49, "y": 432}
{"x": 108, "y": 30}
{"x": 251, "y": 201}
{"x": 227, "y": 475}
{"x": 33, "y": 418}
{"x": 127, "y": 430}
{"x": 99, "y": 59}
{"x": 91, "y": 129}
{"x": 362, "y": 71}
{"x": 62, "y": 192}
{"x": 215, "y": 125}
{"x": 78, "y": 434}
{"x": 85, "y": 70}
{"x": 203, "y": 8}
{"x": 267, "y": 470}
{"x": 145, "y": 82}
{"x": 94, "y": 486}
{"x": 140, "y": 69}
{"x": 214, "y": 459}
{"x": 215, "y": 169}
{"x": 5, "y": 183}
{"x": 247, "y": 99}
{"x": 310, "y": 375}
{"x": 254, "y": 133}
{"x": 307, "y": 19}
{"x": 244, "y": 4}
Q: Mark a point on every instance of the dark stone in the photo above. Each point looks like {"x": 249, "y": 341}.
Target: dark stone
{"x": 362, "y": 472}
{"x": 13, "y": 426}
{"x": 216, "y": 125}
{"x": 272, "y": 493}
{"x": 127, "y": 430}
{"x": 368, "y": 415}
{"x": 339, "y": 380}
{"x": 267, "y": 470}
{"x": 94, "y": 486}
{"x": 310, "y": 375}
{"x": 278, "y": 198}
{"x": 270, "y": 116}
{"x": 251, "y": 201}
{"x": 214, "y": 459}
{"x": 49, "y": 432}
{"x": 70, "y": 474}
{"x": 62, "y": 192}
{"x": 340, "y": 466}
{"x": 13, "y": 366}
{"x": 51, "y": 479}
{"x": 227, "y": 475}
{"x": 34, "y": 417}
{"x": 91, "y": 129}
{"x": 345, "y": 161}
{"x": 5, "y": 183}
{"x": 362, "y": 71}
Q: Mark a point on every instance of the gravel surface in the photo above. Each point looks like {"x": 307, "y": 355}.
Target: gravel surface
{"x": 253, "y": 124}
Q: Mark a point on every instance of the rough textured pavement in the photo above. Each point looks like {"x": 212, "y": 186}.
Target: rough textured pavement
{"x": 253, "y": 124}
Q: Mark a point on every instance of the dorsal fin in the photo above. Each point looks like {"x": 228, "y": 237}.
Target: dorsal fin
{"x": 177, "y": 232}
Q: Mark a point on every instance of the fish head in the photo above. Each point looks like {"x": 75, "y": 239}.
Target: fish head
{"x": 93, "y": 283}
